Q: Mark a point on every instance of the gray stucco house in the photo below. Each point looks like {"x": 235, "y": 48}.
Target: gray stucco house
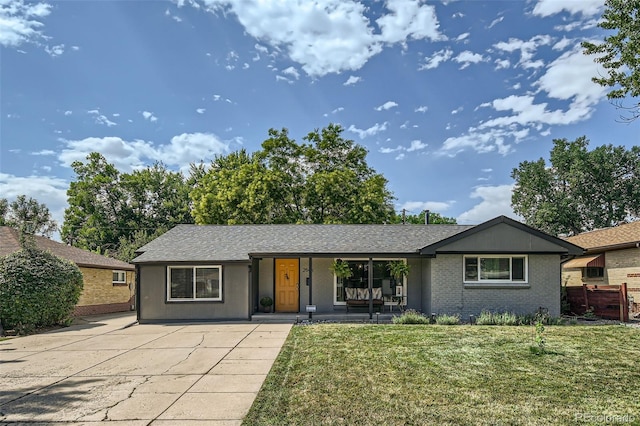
{"x": 216, "y": 272}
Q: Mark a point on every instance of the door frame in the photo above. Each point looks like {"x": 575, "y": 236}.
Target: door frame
{"x": 275, "y": 274}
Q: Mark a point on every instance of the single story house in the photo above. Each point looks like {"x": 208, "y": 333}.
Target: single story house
{"x": 217, "y": 272}
{"x": 109, "y": 284}
{"x": 612, "y": 257}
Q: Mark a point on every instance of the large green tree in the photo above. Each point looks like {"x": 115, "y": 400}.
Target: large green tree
{"x": 325, "y": 179}
{"x": 28, "y": 215}
{"x": 619, "y": 54}
{"x": 109, "y": 211}
{"x": 580, "y": 190}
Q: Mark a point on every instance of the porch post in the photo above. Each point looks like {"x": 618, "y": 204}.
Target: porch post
{"x": 310, "y": 286}
{"x": 370, "y": 288}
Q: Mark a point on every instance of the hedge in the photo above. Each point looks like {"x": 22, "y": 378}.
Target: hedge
{"x": 37, "y": 289}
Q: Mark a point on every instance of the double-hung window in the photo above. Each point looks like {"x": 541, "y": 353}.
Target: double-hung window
{"x": 495, "y": 269}
{"x": 194, "y": 283}
{"x": 119, "y": 277}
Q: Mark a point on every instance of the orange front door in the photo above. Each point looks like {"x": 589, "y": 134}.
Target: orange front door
{"x": 287, "y": 285}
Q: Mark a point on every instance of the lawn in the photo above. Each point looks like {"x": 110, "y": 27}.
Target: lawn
{"x": 451, "y": 375}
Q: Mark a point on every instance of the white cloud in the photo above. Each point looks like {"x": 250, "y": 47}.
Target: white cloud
{"x": 337, "y": 110}
{"x": 583, "y": 25}
{"x": 391, "y": 150}
{"x": 527, "y": 49}
{"x": 489, "y": 170}
{"x": 45, "y": 152}
{"x": 457, "y": 110}
{"x": 371, "y": 131}
{"x": 54, "y": 51}
{"x": 149, "y": 116}
{"x": 419, "y": 206}
{"x": 502, "y": 63}
{"x": 562, "y": 44}
{"x": 400, "y": 156}
{"x": 201, "y": 110}
{"x": 416, "y": 145}
{"x": 495, "y": 201}
{"x": 68, "y": 112}
{"x": 467, "y": 58}
{"x": 20, "y": 21}
{"x": 480, "y": 140}
{"x": 281, "y": 78}
{"x": 551, "y": 7}
{"x": 496, "y": 21}
{"x": 330, "y": 36}
{"x": 386, "y": 106}
{"x": 463, "y": 36}
{"x": 101, "y": 118}
{"x": 421, "y": 108}
{"x": 260, "y": 48}
{"x": 219, "y": 98}
{"x": 292, "y": 72}
{"x": 51, "y": 191}
{"x": 245, "y": 66}
{"x": 179, "y": 152}
{"x": 352, "y": 80}
{"x": 436, "y": 59}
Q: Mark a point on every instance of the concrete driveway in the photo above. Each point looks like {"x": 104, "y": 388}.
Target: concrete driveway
{"x": 140, "y": 375}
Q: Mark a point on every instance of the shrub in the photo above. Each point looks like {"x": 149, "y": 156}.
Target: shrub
{"x": 411, "y": 317}
{"x": 497, "y": 318}
{"x": 445, "y": 319}
{"x": 37, "y": 289}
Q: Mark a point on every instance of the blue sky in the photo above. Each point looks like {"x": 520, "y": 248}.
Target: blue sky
{"x": 448, "y": 97}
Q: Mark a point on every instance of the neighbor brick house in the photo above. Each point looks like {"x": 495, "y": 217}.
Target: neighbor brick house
{"x": 109, "y": 284}
{"x": 612, "y": 257}
{"x": 217, "y": 272}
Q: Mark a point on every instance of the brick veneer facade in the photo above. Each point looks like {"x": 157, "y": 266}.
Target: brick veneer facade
{"x": 101, "y": 295}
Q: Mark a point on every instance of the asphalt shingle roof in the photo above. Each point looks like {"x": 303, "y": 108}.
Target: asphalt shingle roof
{"x": 201, "y": 243}
{"x": 617, "y": 235}
{"x": 10, "y": 242}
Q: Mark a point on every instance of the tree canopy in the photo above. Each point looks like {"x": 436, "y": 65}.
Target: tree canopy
{"x": 28, "y": 215}
{"x": 619, "y": 54}
{"x": 109, "y": 210}
{"x": 419, "y": 219}
{"x": 326, "y": 179}
{"x": 581, "y": 190}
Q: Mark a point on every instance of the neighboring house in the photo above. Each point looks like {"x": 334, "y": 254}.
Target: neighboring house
{"x": 109, "y": 284}
{"x": 612, "y": 257}
{"x": 215, "y": 272}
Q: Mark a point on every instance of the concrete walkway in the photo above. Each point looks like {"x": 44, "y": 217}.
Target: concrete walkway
{"x": 104, "y": 371}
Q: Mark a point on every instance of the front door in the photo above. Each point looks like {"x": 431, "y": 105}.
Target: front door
{"x": 287, "y": 285}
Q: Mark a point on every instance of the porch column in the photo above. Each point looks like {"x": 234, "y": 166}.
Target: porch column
{"x": 370, "y": 288}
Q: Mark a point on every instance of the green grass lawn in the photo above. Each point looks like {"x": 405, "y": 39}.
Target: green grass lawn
{"x": 451, "y": 375}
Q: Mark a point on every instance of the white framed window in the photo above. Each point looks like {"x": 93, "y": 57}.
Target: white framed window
{"x": 499, "y": 269}
{"x": 119, "y": 277}
{"x": 360, "y": 279}
{"x": 194, "y": 283}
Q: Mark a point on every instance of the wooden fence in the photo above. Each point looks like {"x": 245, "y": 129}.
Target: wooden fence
{"x": 606, "y": 301}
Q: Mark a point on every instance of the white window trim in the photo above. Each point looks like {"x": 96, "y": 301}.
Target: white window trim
{"x": 354, "y": 259}
{"x": 194, "y": 299}
{"x": 480, "y": 282}
{"x": 119, "y": 272}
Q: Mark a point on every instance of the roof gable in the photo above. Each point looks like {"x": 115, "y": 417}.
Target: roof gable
{"x": 502, "y": 235}
{"x": 10, "y": 242}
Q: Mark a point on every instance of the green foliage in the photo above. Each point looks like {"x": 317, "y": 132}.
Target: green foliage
{"x": 581, "y": 190}
{"x": 324, "y": 180}
{"x": 341, "y": 269}
{"x": 398, "y": 269}
{"x": 539, "y": 338}
{"x": 266, "y": 301}
{"x": 498, "y": 318}
{"x": 419, "y": 219}
{"x": 110, "y": 212}
{"x": 619, "y": 54}
{"x": 445, "y": 319}
{"x": 410, "y": 316}
{"x": 37, "y": 289}
{"x": 27, "y": 215}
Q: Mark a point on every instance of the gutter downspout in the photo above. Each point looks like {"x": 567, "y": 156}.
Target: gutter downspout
{"x": 137, "y": 292}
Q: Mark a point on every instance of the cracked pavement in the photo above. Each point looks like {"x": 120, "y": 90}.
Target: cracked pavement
{"x": 150, "y": 374}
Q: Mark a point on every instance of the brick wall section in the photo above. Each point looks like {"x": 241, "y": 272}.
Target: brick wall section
{"x": 99, "y": 288}
{"x": 449, "y": 295}
{"x": 104, "y": 309}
